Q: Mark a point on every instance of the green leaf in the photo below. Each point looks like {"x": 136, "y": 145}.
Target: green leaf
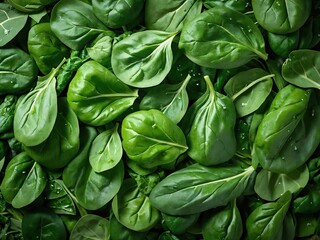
{"x": 281, "y": 16}
{"x": 94, "y": 85}
{"x": 144, "y": 58}
{"x": 91, "y": 226}
{"x": 232, "y": 36}
{"x": 170, "y": 99}
{"x": 270, "y": 186}
{"x": 302, "y": 68}
{"x": 106, "y": 150}
{"x": 266, "y": 221}
{"x": 36, "y": 113}
{"x": 11, "y": 23}
{"x": 94, "y": 190}
{"x": 75, "y": 23}
{"x": 133, "y": 209}
{"x": 169, "y": 15}
{"x": 249, "y": 89}
{"x": 23, "y": 182}
{"x": 223, "y": 224}
{"x": 63, "y": 142}
{"x": 209, "y": 125}
{"x": 42, "y": 224}
{"x": 198, "y": 188}
{"x": 151, "y": 138}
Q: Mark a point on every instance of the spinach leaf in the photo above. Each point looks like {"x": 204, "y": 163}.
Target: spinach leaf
{"x": 198, "y": 188}
{"x": 97, "y": 96}
{"x": 63, "y": 142}
{"x": 179, "y": 224}
{"x": 144, "y": 58}
{"x": 91, "y": 226}
{"x": 23, "y": 182}
{"x": 11, "y": 23}
{"x": 283, "y": 44}
{"x": 37, "y": 111}
{"x": 308, "y": 202}
{"x": 120, "y": 232}
{"x": 268, "y": 218}
{"x": 151, "y": 139}
{"x": 133, "y": 209}
{"x": 249, "y": 89}
{"x": 100, "y": 50}
{"x": 209, "y": 127}
{"x": 224, "y": 224}
{"x": 42, "y": 224}
{"x": 281, "y": 16}
{"x": 18, "y": 71}
{"x": 302, "y": 68}
{"x": 30, "y": 6}
{"x": 77, "y": 165}
{"x": 94, "y": 190}
{"x": 170, "y": 99}
{"x": 232, "y": 36}
{"x": 106, "y": 150}
{"x": 170, "y": 16}
{"x": 270, "y": 186}
{"x": 7, "y": 108}
{"x": 288, "y": 131}
{"x": 75, "y": 24}
{"x": 45, "y": 47}
{"x": 58, "y": 198}
{"x": 116, "y": 14}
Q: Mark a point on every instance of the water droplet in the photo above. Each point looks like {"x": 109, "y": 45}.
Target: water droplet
{"x": 247, "y": 5}
{"x": 288, "y": 130}
{"x": 199, "y": 74}
{"x": 283, "y": 158}
{"x": 279, "y": 183}
{"x": 243, "y": 149}
{"x": 313, "y": 113}
{"x": 309, "y": 224}
{"x": 278, "y": 3}
{"x": 11, "y": 82}
{"x": 224, "y": 107}
{"x": 154, "y": 125}
{"x": 23, "y": 172}
{"x": 6, "y": 31}
{"x": 111, "y": 109}
{"x": 302, "y": 99}
{"x": 230, "y": 19}
{"x": 295, "y": 148}
{"x": 311, "y": 203}
{"x": 249, "y": 30}
{"x": 243, "y": 104}
{"x": 197, "y": 84}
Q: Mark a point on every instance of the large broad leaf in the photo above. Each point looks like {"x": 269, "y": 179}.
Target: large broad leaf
{"x": 43, "y": 224}
{"x": 170, "y": 15}
{"x": 281, "y": 16}
{"x": 117, "y": 14}
{"x": 144, "y": 58}
{"x": 266, "y": 221}
{"x": 106, "y": 150}
{"x": 63, "y": 142}
{"x": 249, "y": 89}
{"x": 23, "y": 182}
{"x": 97, "y": 96}
{"x": 36, "y": 113}
{"x": 11, "y": 22}
{"x": 151, "y": 138}
{"x": 289, "y": 132}
{"x": 94, "y": 190}
{"x": 198, "y": 188}
{"x": 222, "y": 38}
{"x": 18, "y": 71}
{"x": 74, "y": 169}
{"x": 133, "y": 209}
{"x": 270, "y": 186}
{"x": 75, "y": 24}
{"x": 170, "y": 99}
{"x": 209, "y": 127}
{"x": 302, "y": 68}
{"x": 91, "y": 226}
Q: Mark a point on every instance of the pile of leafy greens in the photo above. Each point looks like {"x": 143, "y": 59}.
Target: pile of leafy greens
{"x": 159, "y": 120}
